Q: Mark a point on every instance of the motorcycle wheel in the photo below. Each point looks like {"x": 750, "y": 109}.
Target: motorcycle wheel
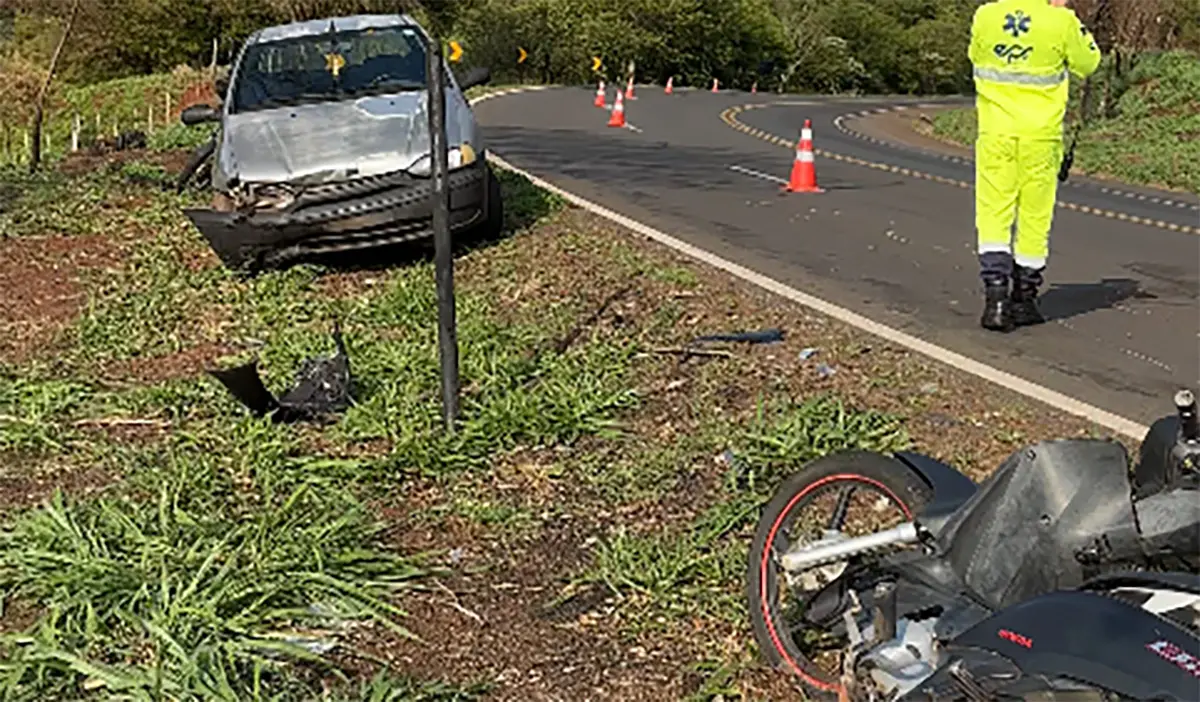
{"x": 843, "y": 475}
{"x": 199, "y": 157}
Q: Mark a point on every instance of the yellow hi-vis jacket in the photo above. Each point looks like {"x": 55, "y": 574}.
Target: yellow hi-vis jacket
{"x": 1022, "y": 51}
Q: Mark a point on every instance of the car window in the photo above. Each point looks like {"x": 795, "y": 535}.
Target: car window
{"x": 330, "y": 66}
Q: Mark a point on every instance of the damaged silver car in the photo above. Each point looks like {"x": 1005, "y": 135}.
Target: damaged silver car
{"x": 323, "y": 144}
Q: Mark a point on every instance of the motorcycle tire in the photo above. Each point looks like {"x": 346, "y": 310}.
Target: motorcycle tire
{"x": 203, "y": 178}
{"x": 907, "y": 490}
{"x": 199, "y": 156}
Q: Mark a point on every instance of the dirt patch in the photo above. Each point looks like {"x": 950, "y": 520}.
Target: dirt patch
{"x": 151, "y": 370}
{"x": 19, "y": 615}
{"x": 25, "y": 484}
{"x": 41, "y": 286}
{"x": 200, "y": 92}
{"x": 82, "y": 162}
{"x": 506, "y": 614}
{"x": 339, "y": 284}
{"x": 498, "y": 626}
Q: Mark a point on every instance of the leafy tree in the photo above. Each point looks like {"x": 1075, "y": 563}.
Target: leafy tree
{"x": 824, "y": 45}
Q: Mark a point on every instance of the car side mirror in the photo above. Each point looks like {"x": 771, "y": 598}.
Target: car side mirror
{"x": 480, "y": 75}
{"x": 199, "y": 114}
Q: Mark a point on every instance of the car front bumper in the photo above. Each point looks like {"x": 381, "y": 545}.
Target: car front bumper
{"x": 337, "y": 217}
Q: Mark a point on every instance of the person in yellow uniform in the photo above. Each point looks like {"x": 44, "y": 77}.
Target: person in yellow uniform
{"x": 1022, "y": 52}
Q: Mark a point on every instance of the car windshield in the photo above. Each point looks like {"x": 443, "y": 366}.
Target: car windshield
{"x": 330, "y": 66}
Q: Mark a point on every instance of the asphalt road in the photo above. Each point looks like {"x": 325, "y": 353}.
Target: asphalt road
{"x": 1123, "y": 297}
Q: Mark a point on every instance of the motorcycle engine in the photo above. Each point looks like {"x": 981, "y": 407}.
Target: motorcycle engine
{"x": 898, "y": 665}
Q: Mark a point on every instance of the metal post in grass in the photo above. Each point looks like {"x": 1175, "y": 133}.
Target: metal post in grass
{"x": 443, "y": 251}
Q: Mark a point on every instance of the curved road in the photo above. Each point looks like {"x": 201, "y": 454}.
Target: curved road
{"x": 893, "y": 236}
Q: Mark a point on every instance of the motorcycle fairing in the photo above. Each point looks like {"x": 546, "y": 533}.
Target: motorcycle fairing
{"x": 1019, "y": 534}
{"x": 1096, "y": 640}
{"x": 993, "y": 677}
{"x": 950, "y": 488}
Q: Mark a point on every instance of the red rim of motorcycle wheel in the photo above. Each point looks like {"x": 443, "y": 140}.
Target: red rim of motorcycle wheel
{"x": 765, "y": 562}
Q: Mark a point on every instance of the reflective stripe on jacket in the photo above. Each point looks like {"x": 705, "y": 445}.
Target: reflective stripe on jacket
{"x": 1022, "y": 51}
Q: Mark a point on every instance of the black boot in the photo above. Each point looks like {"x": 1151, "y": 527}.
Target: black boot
{"x": 1025, "y": 311}
{"x": 997, "y": 312}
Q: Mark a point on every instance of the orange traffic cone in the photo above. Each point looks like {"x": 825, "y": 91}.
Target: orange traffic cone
{"x": 618, "y": 112}
{"x": 804, "y": 172}
{"x": 754, "y": 88}
{"x": 599, "y": 101}
{"x": 629, "y": 90}
{"x": 714, "y": 88}
{"x": 670, "y": 85}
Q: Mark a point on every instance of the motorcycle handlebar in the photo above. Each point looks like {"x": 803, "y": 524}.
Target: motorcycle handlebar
{"x": 1185, "y": 403}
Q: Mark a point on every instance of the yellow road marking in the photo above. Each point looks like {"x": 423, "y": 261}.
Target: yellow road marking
{"x": 729, "y": 117}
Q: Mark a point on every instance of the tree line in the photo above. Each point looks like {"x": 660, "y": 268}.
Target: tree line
{"x": 894, "y": 46}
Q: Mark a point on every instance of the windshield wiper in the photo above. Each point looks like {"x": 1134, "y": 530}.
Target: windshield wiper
{"x": 387, "y": 86}
{"x": 301, "y": 99}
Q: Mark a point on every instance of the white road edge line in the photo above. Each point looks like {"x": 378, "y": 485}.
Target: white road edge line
{"x": 1045, "y": 395}
{"x": 759, "y": 174}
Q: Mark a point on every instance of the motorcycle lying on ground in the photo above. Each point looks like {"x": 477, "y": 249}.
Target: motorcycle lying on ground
{"x": 1065, "y": 575}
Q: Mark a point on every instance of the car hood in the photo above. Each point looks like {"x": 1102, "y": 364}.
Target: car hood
{"x": 331, "y": 141}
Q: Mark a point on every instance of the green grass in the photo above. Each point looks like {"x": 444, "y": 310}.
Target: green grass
{"x": 51, "y": 202}
{"x": 785, "y": 435}
{"x": 662, "y": 576}
{"x": 719, "y": 684}
{"x": 1151, "y": 138}
{"x": 180, "y": 136}
{"x": 162, "y": 596}
{"x": 231, "y": 558}
{"x": 221, "y": 558}
{"x": 155, "y": 306}
{"x": 669, "y": 573}
{"x": 121, "y": 103}
{"x": 108, "y": 201}
{"x": 635, "y": 471}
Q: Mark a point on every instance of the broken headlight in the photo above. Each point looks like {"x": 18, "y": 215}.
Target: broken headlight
{"x": 458, "y": 156}
{"x": 271, "y": 197}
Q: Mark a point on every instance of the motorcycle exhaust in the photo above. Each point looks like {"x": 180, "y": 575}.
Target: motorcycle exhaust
{"x": 811, "y": 556}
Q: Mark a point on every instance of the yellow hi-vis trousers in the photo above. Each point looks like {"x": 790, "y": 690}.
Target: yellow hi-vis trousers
{"x": 1016, "y": 178}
